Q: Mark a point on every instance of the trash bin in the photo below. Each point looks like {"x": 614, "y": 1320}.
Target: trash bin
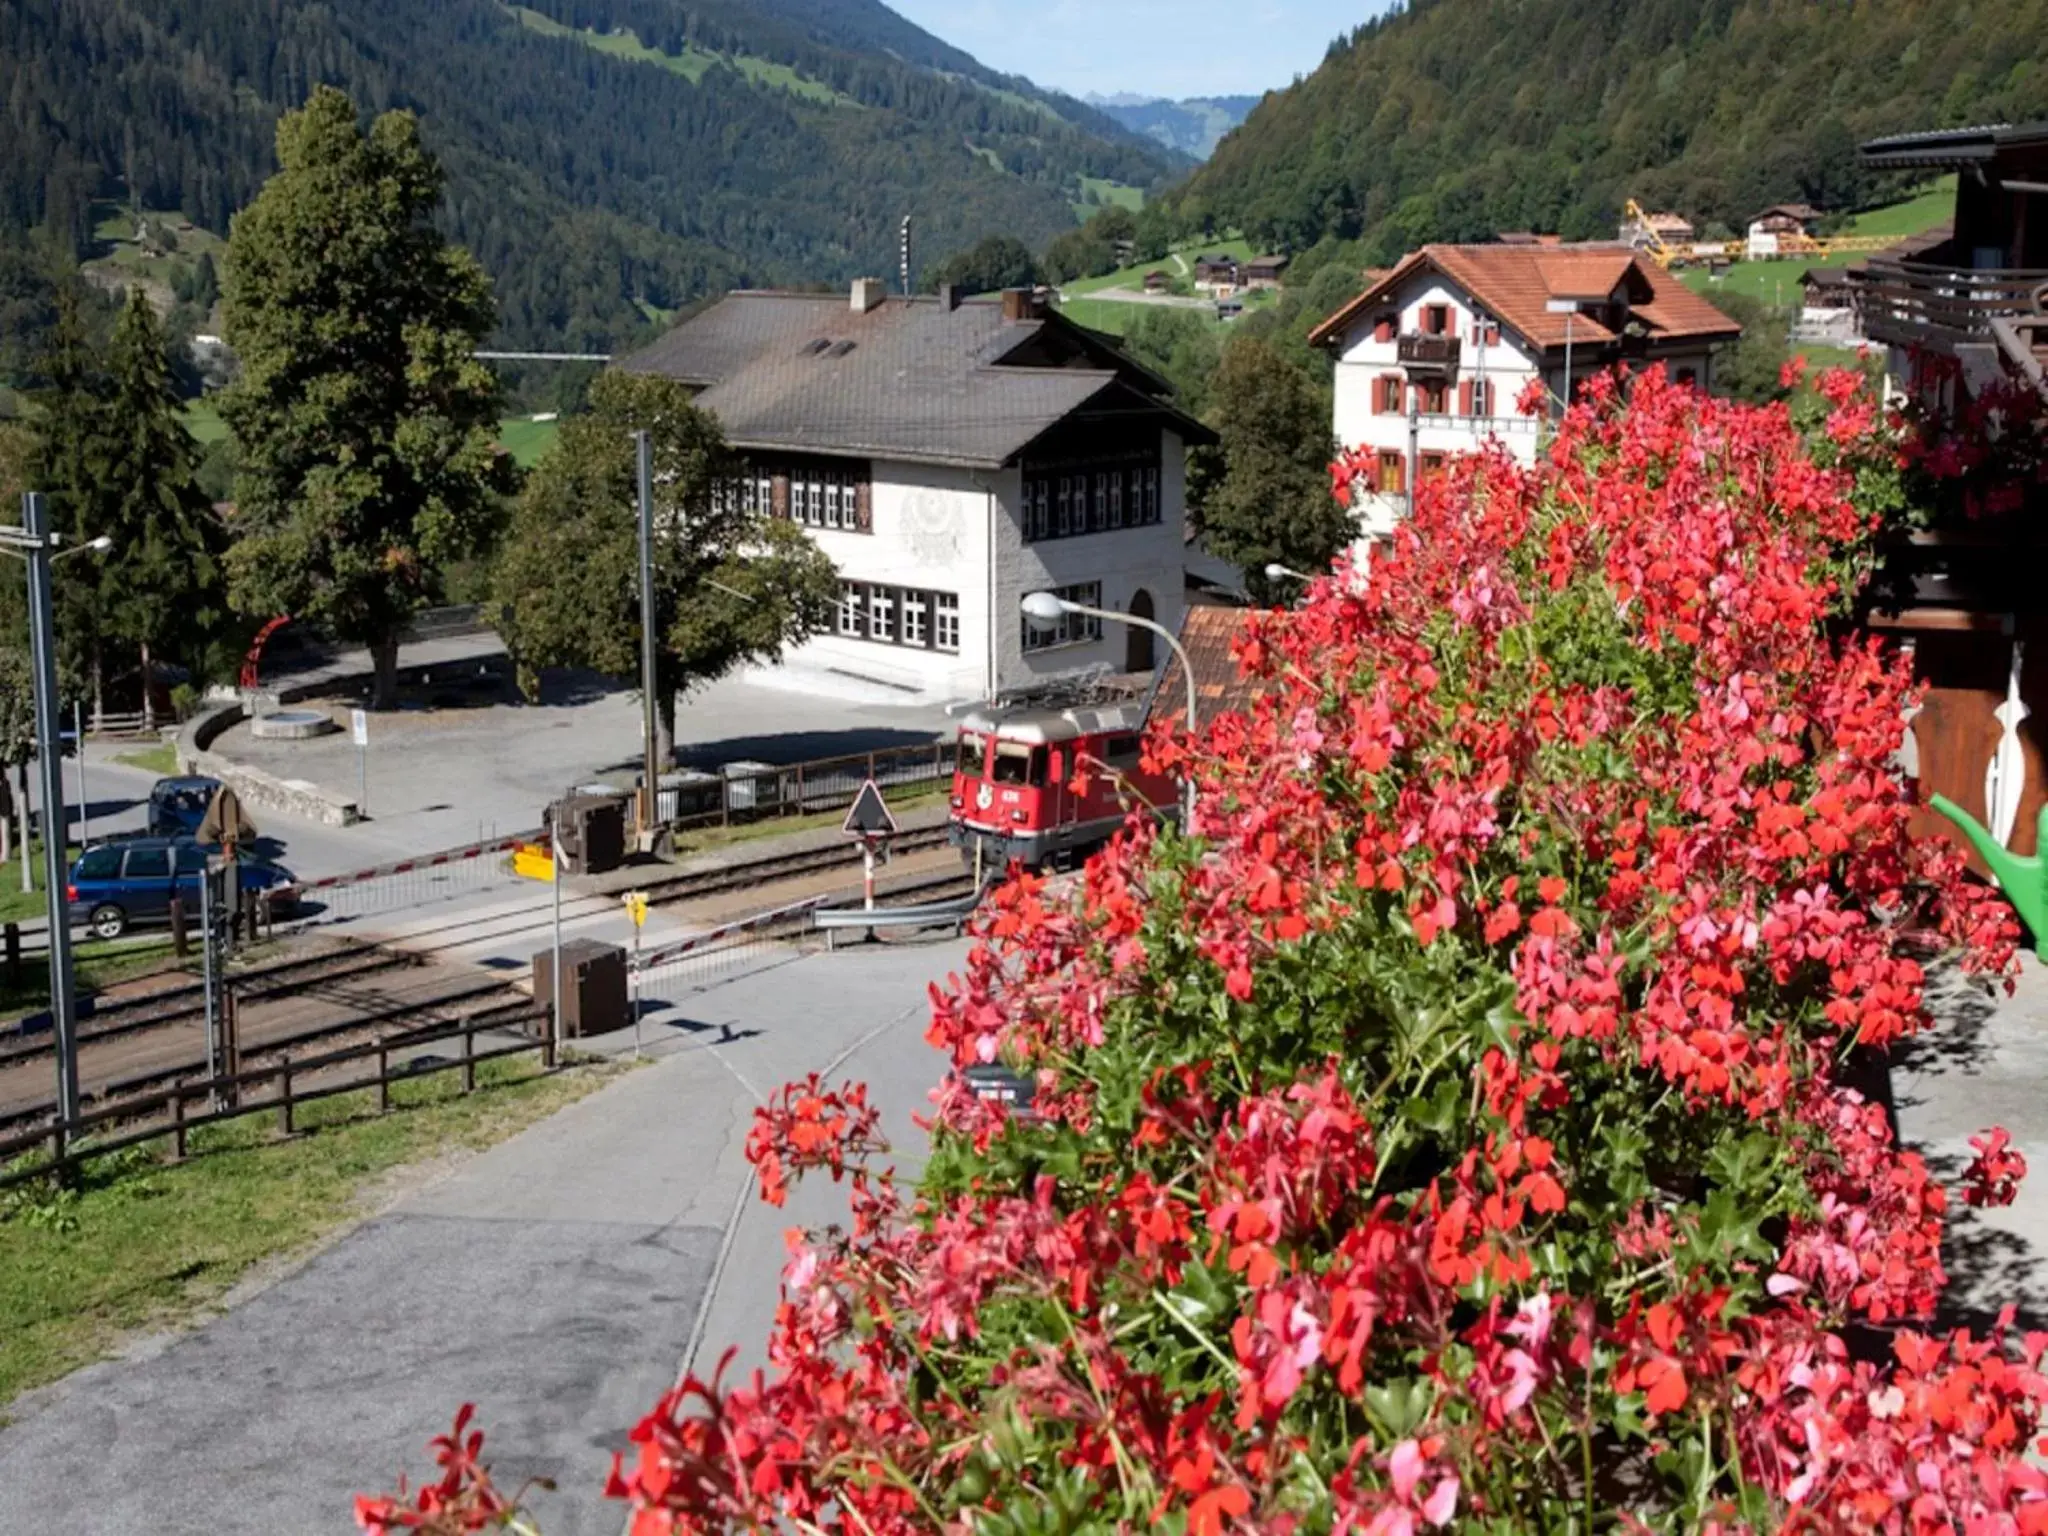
{"x": 593, "y": 987}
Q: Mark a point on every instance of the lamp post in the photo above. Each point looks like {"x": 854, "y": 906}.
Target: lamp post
{"x": 1045, "y": 609}
{"x": 35, "y": 543}
{"x": 650, "y": 804}
{"x": 1568, "y": 308}
{"x": 1275, "y": 571}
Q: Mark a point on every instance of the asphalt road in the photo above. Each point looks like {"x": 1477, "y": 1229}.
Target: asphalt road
{"x": 558, "y": 1281}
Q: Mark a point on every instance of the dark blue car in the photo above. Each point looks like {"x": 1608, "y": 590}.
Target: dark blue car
{"x": 178, "y": 805}
{"x": 117, "y": 885}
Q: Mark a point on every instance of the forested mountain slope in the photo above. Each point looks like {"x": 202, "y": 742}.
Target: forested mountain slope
{"x": 1455, "y": 119}
{"x": 608, "y": 159}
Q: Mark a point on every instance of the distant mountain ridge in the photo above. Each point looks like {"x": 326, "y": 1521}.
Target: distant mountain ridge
{"x": 1193, "y": 126}
{"x": 1455, "y": 119}
{"x": 610, "y": 161}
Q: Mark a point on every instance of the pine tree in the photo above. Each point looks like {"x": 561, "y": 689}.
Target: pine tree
{"x": 161, "y": 588}
{"x": 70, "y": 413}
{"x": 366, "y": 427}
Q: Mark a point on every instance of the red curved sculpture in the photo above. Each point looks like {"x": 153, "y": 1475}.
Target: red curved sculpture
{"x": 249, "y": 662}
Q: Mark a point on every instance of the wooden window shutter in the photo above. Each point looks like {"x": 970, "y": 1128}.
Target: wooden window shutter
{"x": 1493, "y": 335}
{"x": 864, "y": 506}
{"x": 778, "y": 496}
{"x": 1383, "y": 328}
{"x": 1465, "y": 398}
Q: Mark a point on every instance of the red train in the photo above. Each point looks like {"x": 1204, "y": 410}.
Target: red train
{"x": 1013, "y": 794}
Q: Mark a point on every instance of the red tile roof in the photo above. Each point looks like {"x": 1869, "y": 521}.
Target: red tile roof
{"x": 1207, "y": 634}
{"x": 1515, "y": 282}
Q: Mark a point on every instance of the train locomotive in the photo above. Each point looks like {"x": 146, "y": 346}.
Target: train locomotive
{"x": 1046, "y": 777}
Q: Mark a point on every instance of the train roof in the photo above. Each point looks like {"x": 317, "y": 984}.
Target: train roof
{"x": 1036, "y": 724}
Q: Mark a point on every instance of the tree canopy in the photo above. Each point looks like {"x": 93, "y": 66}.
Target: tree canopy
{"x": 1000, "y": 261}
{"x": 732, "y": 586}
{"x": 366, "y": 429}
{"x": 1455, "y": 119}
{"x": 1271, "y": 500}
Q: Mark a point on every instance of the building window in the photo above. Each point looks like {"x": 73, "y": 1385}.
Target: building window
{"x": 818, "y": 493}
{"x": 1688, "y": 377}
{"x": 1389, "y": 401}
{"x": 1060, "y": 506}
{"x": 902, "y": 616}
{"x": 1436, "y": 319}
{"x": 1073, "y": 628}
{"x": 1393, "y": 473}
{"x": 1429, "y": 398}
{"x": 1432, "y": 466}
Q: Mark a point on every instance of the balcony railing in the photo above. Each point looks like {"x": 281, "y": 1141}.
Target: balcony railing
{"x": 1915, "y": 304}
{"x": 1429, "y": 354}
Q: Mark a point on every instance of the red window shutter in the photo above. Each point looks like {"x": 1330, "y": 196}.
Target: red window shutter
{"x": 778, "y": 496}
{"x": 1493, "y": 335}
{"x": 1465, "y": 398}
{"x": 1383, "y": 329}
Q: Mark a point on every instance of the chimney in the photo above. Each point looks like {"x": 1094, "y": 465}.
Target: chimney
{"x": 1022, "y": 304}
{"x": 868, "y": 292}
{"x": 949, "y": 297}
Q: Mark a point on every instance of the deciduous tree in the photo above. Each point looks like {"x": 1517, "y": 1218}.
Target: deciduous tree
{"x": 731, "y": 586}
{"x": 366, "y": 427}
{"x": 1271, "y": 500}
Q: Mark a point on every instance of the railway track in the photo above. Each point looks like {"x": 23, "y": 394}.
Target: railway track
{"x": 120, "y": 1030}
{"x": 186, "y": 1003}
{"x": 398, "y": 1026}
{"x": 784, "y": 866}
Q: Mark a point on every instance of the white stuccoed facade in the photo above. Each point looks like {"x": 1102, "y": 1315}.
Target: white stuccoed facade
{"x": 1414, "y": 408}
{"x": 960, "y": 532}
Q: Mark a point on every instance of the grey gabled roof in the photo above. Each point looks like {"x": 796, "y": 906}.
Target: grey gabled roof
{"x": 910, "y": 379}
{"x": 1943, "y": 147}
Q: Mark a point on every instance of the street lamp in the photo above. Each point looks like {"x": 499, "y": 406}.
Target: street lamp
{"x": 1568, "y": 308}
{"x": 1045, "y": 609}
{"x": 34, "y": 542}
{"x": 1275, "y": 571}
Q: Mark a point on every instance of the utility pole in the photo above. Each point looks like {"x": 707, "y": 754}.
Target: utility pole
{"x": 904, "y": 264}
{"x": 650, "y": 799}
{"x": 36, "y": 544}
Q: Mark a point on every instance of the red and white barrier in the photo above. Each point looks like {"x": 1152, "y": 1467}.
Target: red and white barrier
{"x": 424, "y": 861}
{"x": 668, "y": 954}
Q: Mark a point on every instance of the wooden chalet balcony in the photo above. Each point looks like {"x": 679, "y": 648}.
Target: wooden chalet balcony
{"x": 1918, "y": 304}
{"x": 1428, "y": 354}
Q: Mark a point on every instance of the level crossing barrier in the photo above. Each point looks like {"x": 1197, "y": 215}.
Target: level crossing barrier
{"x": 408, "y": 882}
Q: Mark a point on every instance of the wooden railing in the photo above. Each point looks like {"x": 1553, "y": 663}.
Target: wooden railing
{"x": 1438, "y": 353}
{"x": 1916, "y": 304}
{"x": 168, "y": 1113}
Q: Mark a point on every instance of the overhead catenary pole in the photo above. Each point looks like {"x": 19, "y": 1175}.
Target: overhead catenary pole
{"x": 650, "y": 797}
{"x": 555, "y": 970}
{"x": 49, "y": 758}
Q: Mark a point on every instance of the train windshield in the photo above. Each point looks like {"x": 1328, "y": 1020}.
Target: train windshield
{"x": 1019, "y": 764}
{"x": 972, "y": 750}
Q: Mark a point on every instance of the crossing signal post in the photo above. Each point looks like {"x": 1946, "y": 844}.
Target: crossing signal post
{"x": 872, "y": 822}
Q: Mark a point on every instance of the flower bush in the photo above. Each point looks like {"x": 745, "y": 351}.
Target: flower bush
{"x": 1458, "y": 1134}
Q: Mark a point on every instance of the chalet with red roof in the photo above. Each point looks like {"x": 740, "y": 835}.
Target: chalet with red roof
{"x": 1433, "y": 355}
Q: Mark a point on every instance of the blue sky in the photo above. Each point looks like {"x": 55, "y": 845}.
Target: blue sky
{"x": 1152, "y": 47}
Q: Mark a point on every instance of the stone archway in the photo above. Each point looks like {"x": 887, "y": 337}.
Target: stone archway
{"x": 1137, "y": 639}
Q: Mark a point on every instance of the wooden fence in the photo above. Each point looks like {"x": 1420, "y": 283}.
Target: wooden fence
{"x": 799, "y": 789}
{"x": 167, "y": 1112}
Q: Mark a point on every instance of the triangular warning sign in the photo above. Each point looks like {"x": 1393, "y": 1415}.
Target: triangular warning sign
{"x": 870, "y": 814}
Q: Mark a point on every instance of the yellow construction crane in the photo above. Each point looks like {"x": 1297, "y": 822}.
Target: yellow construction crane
{"x": 1790, "y": 247}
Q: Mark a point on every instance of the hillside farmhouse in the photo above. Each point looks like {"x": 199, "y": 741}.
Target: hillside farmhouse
{"x": 1433, "y": 355}
{"x": 950, "y": 455}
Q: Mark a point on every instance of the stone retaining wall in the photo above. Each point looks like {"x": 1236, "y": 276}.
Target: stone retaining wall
{"x": 259, "y": 790}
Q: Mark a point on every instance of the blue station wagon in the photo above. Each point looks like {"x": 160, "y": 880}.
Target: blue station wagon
{"x": 117, "y": 885}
